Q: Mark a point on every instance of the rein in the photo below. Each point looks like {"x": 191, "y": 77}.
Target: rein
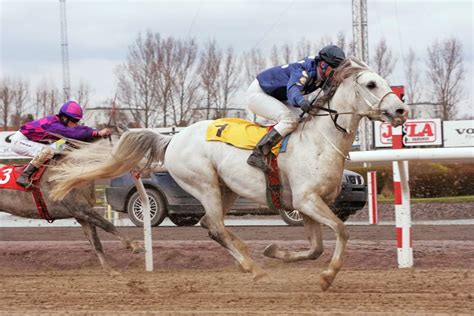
{"x": 360, "y": 91}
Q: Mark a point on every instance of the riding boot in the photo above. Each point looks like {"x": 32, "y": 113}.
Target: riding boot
{"x": 44, "y": 155}
{"x": 263, "y": 148}
{"x": 24, "y": 178}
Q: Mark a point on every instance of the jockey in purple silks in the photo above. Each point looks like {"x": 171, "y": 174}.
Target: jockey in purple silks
{"x": 34, "y": 139}
{"x": 277, "y": 90}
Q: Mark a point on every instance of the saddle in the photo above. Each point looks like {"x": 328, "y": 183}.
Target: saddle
{"x": 240, "y": 133}
{"x": 245, "y": 134}
{"x": 8, "y": 176}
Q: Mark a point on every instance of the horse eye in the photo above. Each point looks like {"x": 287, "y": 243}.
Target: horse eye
{"x": 371, "y": 85}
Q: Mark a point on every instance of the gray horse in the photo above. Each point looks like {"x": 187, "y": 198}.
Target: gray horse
{"x": 78, "y": 204}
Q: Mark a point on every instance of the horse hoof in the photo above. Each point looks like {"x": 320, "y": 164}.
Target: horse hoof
{"x": 136, "y": 248}
{"x": 262, "y": 277}
{"x": 113, "y": 273}
{"x": 325, "y": 280}
{"x": 270, "y": 251}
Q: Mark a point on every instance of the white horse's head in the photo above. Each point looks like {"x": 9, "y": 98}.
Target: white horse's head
{"x": 373, "y": 96}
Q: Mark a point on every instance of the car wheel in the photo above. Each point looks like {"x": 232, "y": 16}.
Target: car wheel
{"x": 157, "y": 208}
{"x": 292, "y": 218}
{"x": 185, "y": 219}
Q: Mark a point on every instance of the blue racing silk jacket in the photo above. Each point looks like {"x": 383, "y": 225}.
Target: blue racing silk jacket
{"x": 291, "y": 82}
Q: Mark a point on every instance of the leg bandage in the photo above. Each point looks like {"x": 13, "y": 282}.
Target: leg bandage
{"x": 44, "y": 155}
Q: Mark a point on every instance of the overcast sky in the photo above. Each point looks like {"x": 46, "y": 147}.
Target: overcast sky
{"x": 99, "y": 32}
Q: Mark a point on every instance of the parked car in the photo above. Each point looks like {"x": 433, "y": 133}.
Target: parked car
{"x": 167, "y": 198}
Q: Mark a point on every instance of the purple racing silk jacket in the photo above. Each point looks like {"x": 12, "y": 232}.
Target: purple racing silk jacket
{"x": 40, "y": 130}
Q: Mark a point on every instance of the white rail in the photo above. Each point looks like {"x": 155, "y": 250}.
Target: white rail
{"x": 399, "y": 159}
{"x": 389, "y": 155}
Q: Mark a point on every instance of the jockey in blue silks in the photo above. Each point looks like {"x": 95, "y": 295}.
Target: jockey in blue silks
{"x": 278, "y": 89}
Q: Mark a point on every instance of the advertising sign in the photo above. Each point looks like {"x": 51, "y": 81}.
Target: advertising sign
{"x": 458, "y": 133}
{"x": 419, "y": 132}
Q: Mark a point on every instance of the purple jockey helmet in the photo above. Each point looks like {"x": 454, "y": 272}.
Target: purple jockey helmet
{"x": 71, "y": 109}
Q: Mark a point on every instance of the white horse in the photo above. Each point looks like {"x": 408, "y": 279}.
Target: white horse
{"x": 216, "y": 173}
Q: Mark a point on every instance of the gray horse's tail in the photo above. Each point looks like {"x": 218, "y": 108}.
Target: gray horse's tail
{"x": 100, "y": 161}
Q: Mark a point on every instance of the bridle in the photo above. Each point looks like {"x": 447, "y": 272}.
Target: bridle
{"x": 366, "y": 95}
{"x": 372, "y": 101}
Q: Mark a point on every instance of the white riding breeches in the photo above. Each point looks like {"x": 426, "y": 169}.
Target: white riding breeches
{"x": 25, "y": 147}
{"x": 266, "y": 106}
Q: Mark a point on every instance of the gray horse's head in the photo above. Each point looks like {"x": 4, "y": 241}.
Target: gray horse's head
{"x": 373, "y": 96}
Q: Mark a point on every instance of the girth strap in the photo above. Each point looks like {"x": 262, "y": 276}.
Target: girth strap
{"x": 38, "y": 195}
{"x": 274, "y": 188}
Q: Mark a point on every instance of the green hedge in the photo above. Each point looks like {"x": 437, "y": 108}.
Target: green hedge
{"x": 428, "y": 179}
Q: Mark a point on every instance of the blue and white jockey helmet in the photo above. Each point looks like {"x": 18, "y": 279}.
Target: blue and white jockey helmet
{"x": 332, "y": 55}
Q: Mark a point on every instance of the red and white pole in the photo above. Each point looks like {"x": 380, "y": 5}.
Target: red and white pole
{"x": 402, "y": 205}
{"x": 372, "y": 186}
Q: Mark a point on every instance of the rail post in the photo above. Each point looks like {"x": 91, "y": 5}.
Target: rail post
{"x": 373, "y": 208}
{"x": 146, "y": 220}
{"x": 401, "y": 192}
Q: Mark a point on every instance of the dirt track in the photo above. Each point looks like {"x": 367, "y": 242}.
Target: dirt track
{"x": 194, "y": 275}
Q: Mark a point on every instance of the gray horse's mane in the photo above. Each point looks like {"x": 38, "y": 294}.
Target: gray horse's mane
{"x": 351, "y": 66}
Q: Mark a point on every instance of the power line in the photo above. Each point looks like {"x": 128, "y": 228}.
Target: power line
{"x": 194, "y": 19}
{"x": 273, "y": 25}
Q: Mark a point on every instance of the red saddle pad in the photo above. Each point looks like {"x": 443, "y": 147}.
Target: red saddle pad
{"x": 8, "y": 176}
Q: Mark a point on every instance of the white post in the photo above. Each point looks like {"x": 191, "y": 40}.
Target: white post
{"x": 372, "y": 186}
{"x": 146, "y": 220}
{"x": 403, "y": 214}
{"x": 401, "y": 191}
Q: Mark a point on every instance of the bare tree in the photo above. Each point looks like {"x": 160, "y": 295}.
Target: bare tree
{"x": 138, "y": 77}
{"x": 275, "y": 58}
{"x": 413, "y": 91}
{"x": 228, "y": 81}
{"x": 305, "y": 48}
{"x": 166, "y": 65}
{"x": 7, "y": 95}
{"x": 20, "y": 88}
{"x": 47, "y": 99}
{"x": 446, "y": 75}
{"x": 253, "y": 63}
{"x": 211, "y": 59}
{"x": 287, "y": 54}
{"x": 185, "y": 84}
{"x": 383, "y": 61}
{"x": 82, "y": 94}
{"x": 341, "y": 41}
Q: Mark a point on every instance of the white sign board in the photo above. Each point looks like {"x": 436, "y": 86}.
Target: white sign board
{"x": 5, "y": 148}
{"x": 458, "y": 133}
{"x": 419, "y": 132}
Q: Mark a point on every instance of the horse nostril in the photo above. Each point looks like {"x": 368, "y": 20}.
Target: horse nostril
{"x": 400, "y": 112}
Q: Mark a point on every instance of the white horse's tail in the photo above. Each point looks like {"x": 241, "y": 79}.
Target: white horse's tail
{"x": 100, "y": 161}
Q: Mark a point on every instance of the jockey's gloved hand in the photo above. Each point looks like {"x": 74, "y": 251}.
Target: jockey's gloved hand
{"x": 105, "y": 132}
{"x": 305, "y": 106}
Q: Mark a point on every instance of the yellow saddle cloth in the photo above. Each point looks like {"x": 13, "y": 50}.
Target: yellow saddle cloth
{"x": 238, "y": 132}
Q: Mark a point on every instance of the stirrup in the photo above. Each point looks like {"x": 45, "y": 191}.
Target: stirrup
{"x": 257, "y": 161}
{"x": 24, "y": 182}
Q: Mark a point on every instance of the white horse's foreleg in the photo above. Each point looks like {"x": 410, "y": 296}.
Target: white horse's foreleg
{"x": 314, "y": 234}
{"x": 315, "y": 208}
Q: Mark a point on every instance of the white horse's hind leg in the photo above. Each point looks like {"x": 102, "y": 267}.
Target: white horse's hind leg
{"x": 315, "y": 208}
{"x": 314, "y": 234}
{"x": 237, "y": 248}
{"x": 216, "y": 202}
